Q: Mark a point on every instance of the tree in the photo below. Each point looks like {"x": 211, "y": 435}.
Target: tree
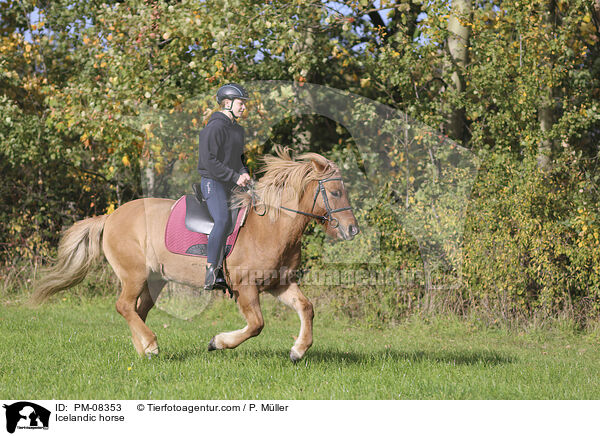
{"x": 458, "y": 45}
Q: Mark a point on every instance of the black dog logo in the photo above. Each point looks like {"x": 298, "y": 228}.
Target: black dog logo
{"x": 30, "y": 413}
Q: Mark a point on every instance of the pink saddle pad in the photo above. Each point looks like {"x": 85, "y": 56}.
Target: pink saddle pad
{"x": 180, "y": 240}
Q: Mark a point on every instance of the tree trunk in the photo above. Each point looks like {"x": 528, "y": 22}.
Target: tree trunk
{"x": 150, "y": 179}
{"x": 458, "y": 43}
{"x": 546, "y": 120}
{"x": 546, "y": 112}
{"x": 596, "y": 14}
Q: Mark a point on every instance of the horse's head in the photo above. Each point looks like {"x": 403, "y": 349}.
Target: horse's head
{"x": 332, "y": 202}
{"x": 308, "y": 185}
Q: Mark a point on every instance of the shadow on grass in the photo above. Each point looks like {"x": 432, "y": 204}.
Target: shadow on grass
{"x": 353, "y": 358}
{"x": 461, "y": 358}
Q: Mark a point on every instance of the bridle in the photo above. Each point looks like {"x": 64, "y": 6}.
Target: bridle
{"x": 333, "y": 222}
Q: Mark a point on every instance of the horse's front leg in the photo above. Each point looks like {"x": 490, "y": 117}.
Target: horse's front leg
{"x": 249, "y": 304}
{"x": 292, "y": 296}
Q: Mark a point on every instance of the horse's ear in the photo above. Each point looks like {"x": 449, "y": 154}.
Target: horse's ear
{"x": 320, "y": 166}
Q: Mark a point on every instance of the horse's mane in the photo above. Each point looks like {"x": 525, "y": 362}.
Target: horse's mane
{"x": 284, "y": 178}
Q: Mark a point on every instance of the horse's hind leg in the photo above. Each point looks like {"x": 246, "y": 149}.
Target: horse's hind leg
{"x": 143, "y": 338}
{"x": 145, "y": 302}
{"x": 149, "y": 296}
{"x": 292, "y": 296}
{"x": 249, "y": 304}
{"x": 128, "y": 260}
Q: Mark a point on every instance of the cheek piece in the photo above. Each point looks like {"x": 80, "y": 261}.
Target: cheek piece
{"x": 333, "y": 222}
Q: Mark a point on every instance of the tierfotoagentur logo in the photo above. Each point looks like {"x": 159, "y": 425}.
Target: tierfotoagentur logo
{"x": 26, "y": 416}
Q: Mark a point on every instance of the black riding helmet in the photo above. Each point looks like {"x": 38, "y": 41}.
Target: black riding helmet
{"x": 231, "y": 91}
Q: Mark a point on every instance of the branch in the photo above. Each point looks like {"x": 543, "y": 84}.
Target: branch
{"x": 376, "y": 19}
{"x": 112, "y": 182}
{"x": 394, "y": 25}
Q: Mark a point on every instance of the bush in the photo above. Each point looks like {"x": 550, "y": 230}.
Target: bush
{"x": 532, "y": 246}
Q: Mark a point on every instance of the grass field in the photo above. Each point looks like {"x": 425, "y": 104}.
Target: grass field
{"x": 79, "y": 348}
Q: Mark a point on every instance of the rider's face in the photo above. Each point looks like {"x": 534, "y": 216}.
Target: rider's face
{"x": 238, "y": 107}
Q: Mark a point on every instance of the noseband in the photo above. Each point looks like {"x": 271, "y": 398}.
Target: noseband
{"x": 328, "y": 210}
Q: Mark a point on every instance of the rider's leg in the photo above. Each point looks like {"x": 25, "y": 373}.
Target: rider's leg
{"x": 216, "y": 197}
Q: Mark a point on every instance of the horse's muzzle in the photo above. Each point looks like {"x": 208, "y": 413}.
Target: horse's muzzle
{"x": 349, "y": 233}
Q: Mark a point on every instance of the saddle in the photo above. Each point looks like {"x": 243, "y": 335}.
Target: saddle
{"x": 197, "y": 216}
{"x": 190, "y": 223}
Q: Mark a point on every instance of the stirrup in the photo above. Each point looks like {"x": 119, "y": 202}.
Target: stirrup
{"x": 221, "y": 283}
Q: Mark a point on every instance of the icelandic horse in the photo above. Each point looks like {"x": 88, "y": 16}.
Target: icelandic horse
{"x": 132, "y": 239}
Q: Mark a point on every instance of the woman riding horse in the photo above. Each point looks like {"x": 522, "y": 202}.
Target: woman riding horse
{"x": 221, "y": 165}
{"x": 294, "y": 191}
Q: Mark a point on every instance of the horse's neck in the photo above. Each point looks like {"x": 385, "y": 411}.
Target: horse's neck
{"x": 287, "y": 230}
{"x": 293, "y": 224}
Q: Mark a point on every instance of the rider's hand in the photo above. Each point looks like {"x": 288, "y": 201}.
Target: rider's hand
{"x": 243, "y": 180}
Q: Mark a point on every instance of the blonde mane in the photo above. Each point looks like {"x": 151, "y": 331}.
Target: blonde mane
{"x": 285, "y": 179}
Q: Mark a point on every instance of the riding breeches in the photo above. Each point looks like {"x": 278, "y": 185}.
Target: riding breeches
{"x": 216, "y": 195}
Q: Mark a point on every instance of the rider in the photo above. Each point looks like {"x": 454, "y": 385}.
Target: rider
{"x": 221, "y": 165}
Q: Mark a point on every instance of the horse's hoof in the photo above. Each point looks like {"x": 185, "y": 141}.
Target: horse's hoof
{"x": 294, "y": 357}
{"x": 152, "y": 353}
{"x": 211, "y": 344}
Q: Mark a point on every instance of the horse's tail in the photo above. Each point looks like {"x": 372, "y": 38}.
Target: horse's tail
{"x": 79, "y": 247}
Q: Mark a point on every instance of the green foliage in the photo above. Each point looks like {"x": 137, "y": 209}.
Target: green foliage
{"x": 532, "y": 244}
{"x": 73, "y": 74}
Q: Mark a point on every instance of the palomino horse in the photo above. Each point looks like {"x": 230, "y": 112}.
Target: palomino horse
{"x": 293, "y": 191}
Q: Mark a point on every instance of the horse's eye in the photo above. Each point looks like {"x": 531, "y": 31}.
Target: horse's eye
{"x": 336, "y": 194}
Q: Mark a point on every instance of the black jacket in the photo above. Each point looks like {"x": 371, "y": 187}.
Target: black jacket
{"x": 221, "y": 149}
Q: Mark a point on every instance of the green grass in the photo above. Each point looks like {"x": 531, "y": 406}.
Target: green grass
{"x": 79, "y": 348}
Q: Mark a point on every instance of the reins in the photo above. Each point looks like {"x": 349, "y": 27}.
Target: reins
{"x": 254, "y": 200}
{"x": 334, "y": 222}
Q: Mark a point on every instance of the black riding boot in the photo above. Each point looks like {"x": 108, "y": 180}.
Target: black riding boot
{"x": 211, "y": 277}
{"x": 214, "y": 278}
